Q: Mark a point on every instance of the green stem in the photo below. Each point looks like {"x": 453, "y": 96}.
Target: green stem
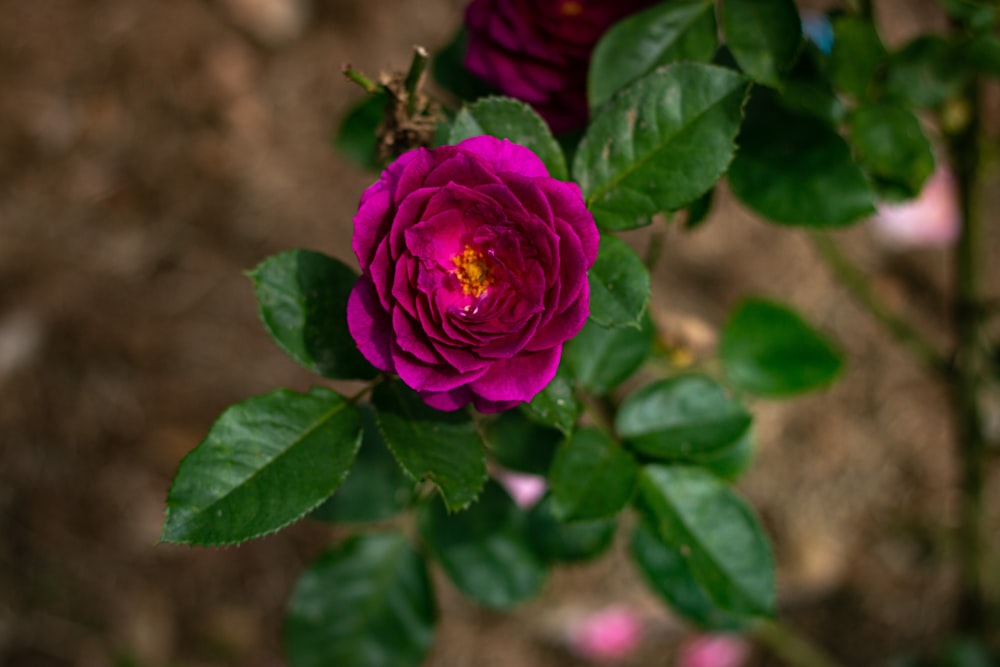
{"x": 969, "y": 370}
{"x": 600, "y": 409}
{"x": 790, "y": 646}
{"x": 357, "y": 77}
{"x": 858, "y": 284}
{"x": 415, "y": 76}
{"x": 862, "y": 8}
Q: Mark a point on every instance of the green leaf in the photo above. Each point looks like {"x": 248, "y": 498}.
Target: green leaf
{"x": 764, "y": 37}
{"x": 793, "y": 169}
{"x": 680, "y": 417}
{"x": 727, "y": 552}
{"x": 366, "y": 603}
{"x": 443, "y": 447}
{"x": 768, "y": 350}
{"x": 667, "y": 573}
{"x": 591, "y": 477}
{"x": 980, "y": 15}
{"x": 892, "y": 145}
{"x": 265, "y": 463}
{"x": 518, "y": 443}
{"x": 449, "y": 71}
{"x": 484, "y": 550}
{"x": 699, "y": 210}
{"x": 603, "y": 357}
{"x": 302, "y": 297}
{"x": 660, "y": 143}
{"x": 858, "y": 58}
{"x": 376, "y": 489}
{"x": 568, "y": 541}
{"x": 619, "y": 285}
{"x": 927, "y": 72}
{"x": 983, "y": 55}
{"x": 635, "y": 46}
{"x": 356, "y": 136}
{"x": 506, "y": 118}
{"x": 808, "y": 91}
{"x": 556, "y": 405}
{"x": 730, "y": 462}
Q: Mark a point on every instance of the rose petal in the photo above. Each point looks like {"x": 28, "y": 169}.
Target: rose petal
{"x": 370, "y": 325}
{"x": 518, "y": 378}
{"x": 430, "y": 377}
{"x": 503, "y": 155}
{"x": 448, "y": 400}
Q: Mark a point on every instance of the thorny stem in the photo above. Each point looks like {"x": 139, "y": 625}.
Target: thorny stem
{"x": 970, "y": 364}
{"x": 858, "y": 285}
{"x": 790, "y": 646}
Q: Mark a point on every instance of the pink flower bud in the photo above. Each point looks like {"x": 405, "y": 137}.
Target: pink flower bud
{"x": 713, "y": 651}
{"x": 609, "y": 634}
{"x": 932, "y": 219}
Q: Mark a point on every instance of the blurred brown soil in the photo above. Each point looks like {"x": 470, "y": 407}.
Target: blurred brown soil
{"x": 151, "y": 151}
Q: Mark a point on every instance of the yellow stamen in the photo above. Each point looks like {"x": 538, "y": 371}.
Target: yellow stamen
{"x": 473, "y": 271}
{"x": 571, "y": 8}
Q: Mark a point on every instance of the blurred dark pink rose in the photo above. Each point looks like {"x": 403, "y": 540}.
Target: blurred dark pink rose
{"x": 473, "y": 273}
{"x": 932, "y": 220}
{"x": 714, "y": 651}
{"x": 526, "y": 490}
{"x": 538, "y": 51}
{"x": 609, "y": 634}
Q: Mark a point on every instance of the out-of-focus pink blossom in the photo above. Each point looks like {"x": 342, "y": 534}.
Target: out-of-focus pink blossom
{"x": 931, "y": 220}
{"x": 525, "y": 489}
{"x": 714, "y": 651}
{"x": 608, "y": 634}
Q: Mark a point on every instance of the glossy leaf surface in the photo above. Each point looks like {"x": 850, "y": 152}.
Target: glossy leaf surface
{"x": 764, "y": 37}
{"x": 665, "y": 33}
{"x": 592, "y": 477}
{"x": 768, "y": 350}
{"x": 602, "y": 357}
{"x": 892, "y": 145}
{"x": 376, "y": 489}
{"x": 302, "y": 297}
{"x": 619, "y": 285}
{"x": 660, "y": 143}
{"x": 365, "y": 603}
{"x": 485, "y": 550}
{"x": 680, "y": 417}
{"x": 442, "y": 447}
{"x": 506, "y": 118}
{"x": 666, "y": 571}
{"x": 727, "y": 552}
{"x": 794, "y": 169}
{"x": 265, "y": 463}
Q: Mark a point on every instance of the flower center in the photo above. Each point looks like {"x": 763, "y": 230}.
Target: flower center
{"x": 473, "y": 271}
{"x": 571, "y": 8}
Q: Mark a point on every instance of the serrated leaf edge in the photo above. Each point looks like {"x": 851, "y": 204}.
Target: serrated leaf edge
{"x": 229, "y": 543}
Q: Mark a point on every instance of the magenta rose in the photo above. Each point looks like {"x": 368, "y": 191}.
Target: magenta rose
{"x": 473, "y": 273}
{"x": 538, "y": 50}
